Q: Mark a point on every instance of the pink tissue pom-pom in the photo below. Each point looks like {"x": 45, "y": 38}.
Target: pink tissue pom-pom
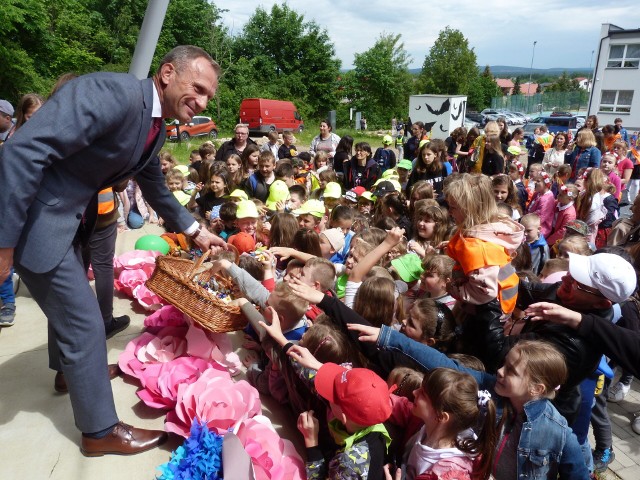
{"x": 147, "y": 299}
{"x": 273, "y": 458}
{"x": 160, "y": 382}
{"x": 128, "y": 280}
{"x": 135, "y": 260}
{"x": 167, "y": 344}
{"x": 214, "y": 399}
{"x": 167, "y": 316}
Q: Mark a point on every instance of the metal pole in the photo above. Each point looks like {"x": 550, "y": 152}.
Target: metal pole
{"x": 148, "y": 38}
{"x": 530, "y": 74}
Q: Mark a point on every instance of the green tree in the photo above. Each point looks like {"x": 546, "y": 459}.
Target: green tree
{"x": 381, "y": 82}
{"x": 516, "y": 87}
{"x": 450, "y": 67}
{"x": 482, "y": 90}
{"x": 564, "y": 84}
{"x": 292, "y": 58}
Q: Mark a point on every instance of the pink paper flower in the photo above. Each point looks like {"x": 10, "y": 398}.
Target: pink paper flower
{"x": 273, "y": 458}
{"x": 214, "y": 399}
{"x": 135, "y": 260}
{"x": 212, "y": 346}
{"x": 167, "y": 316}
{"x": 147, "y": 299}
{"x": 148, "y": 349}
{"x": 128, "y": 280}
{"x": 160, "y": 381}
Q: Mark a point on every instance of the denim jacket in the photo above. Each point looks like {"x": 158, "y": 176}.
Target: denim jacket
{"x": 583, "y": 157}
{"x": 546, "y": 446}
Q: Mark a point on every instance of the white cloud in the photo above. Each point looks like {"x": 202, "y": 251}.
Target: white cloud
{"x": 501, "y": 32}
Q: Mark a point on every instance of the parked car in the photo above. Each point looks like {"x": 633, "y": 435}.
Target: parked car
{"x": 263, "y": 115}
{"x": 199, "y": 126}
{"x": 554, "y": 125}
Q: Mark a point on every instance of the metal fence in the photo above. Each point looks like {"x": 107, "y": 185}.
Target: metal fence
{"x": 543, "y": 102}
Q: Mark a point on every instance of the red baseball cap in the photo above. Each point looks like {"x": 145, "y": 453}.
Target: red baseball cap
{"x": 361, "y": 394}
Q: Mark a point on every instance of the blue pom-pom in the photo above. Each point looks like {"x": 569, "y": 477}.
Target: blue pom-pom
{"x": 199, "y": 458}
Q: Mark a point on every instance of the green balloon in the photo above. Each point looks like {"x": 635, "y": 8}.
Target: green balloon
{"x": 152, "y": 243}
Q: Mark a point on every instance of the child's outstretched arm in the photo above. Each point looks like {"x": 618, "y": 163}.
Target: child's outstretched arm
{"x": 305, "y": 292}
{"x": 286, "y": 252}
{"x": 393, "y": 238}
{"x": 273, "y": 328}
{"x": 253, "y": 289}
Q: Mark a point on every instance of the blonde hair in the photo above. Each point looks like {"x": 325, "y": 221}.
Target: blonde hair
{"x": 586, "y": 138}
{"x": 474, "y": 195}
{"x": 594, "y": 183}
{"x": 530, "y": 220}
{"x": 292, "y": 306}
{"x": 574, "y": 244}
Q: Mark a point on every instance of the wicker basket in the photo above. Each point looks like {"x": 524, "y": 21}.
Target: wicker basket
{"x": 172, "y": 279}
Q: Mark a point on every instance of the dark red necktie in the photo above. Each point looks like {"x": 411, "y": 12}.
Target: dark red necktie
{"x": 153, "y": 133}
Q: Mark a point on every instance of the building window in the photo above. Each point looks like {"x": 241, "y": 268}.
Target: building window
{"x": 616, "y": 101}
{"x": 624, "y": 56}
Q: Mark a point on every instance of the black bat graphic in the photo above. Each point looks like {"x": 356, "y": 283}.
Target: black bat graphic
{"x": 418, "y": 107}
{"x": 443, "y": 129}
{"x": 456, "y": 117}
{"x": 428, "y": 126}
{"x": 443, "y": 108}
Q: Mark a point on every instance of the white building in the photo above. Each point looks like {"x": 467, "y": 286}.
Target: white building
{"x": 616, "y": 85}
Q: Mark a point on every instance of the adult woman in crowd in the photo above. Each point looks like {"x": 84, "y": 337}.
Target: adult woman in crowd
{"x": 344, "y": 150}
{"x": 505, "y": 135}
{"x": 554, "y": 157}
{"x": 592, "y": 124}
{"x": 326, "y": 141}
{"x": 585, "y": 153}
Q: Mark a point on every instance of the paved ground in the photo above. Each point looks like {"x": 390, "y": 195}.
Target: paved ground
{"x": 38, "y": 439}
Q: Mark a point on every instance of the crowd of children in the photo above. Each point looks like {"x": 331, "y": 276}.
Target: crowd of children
{"x": 428, "y": 262}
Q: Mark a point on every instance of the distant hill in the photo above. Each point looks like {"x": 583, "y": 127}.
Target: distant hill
{"x": 509, "y": 71}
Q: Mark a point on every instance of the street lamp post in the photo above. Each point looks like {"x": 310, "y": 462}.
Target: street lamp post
{"x": 530, "y": 74}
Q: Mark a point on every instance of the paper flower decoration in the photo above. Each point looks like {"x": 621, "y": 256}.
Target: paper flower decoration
{"x": 200, "y": 457}
{"x": 128, "y": 280}
{"x": 169, "y": 343}
{"x": 273, "y": 458}
{"x": 135, "y": 260}
{"x": 147, "y": 299}
{"x": 214, "y": 399}
{"x": 167, "y": 316}
{"x": 212, "y": 346}
{"x": 160, "y": 381}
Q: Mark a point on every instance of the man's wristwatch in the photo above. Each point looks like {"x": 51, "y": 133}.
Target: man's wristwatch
{"x": 196, "y": 233}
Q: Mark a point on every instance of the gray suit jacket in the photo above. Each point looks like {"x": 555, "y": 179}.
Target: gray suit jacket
{"x": 88, "y": 136}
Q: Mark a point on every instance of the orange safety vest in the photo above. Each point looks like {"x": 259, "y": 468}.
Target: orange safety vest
{"x": 545, "y": 141}
{"x": 106, "y": 201}
{"x": 473, "y": 253}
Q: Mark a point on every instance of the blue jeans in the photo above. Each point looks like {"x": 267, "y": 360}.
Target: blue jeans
{"x": 6, "y": 290}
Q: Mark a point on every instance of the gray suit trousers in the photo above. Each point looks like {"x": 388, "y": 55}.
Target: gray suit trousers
{"x": 71, "y": 307}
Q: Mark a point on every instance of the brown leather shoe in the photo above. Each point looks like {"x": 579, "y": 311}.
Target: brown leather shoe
{"x": 60, "y": 384}
{"x": 123, "y": 440}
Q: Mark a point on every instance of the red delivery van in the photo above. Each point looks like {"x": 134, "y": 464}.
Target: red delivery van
{"x": 262, "y": 115}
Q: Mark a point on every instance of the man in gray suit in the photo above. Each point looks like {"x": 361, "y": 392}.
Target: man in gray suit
{"x": 95, "y": 132}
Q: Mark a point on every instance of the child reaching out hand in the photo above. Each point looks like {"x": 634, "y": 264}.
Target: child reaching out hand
{"x": 359, "y": 401}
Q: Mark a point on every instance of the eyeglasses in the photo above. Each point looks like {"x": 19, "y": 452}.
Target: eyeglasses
{"x": 586, "y": 289}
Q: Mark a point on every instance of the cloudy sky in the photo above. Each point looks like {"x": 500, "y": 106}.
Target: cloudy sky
{"x": 502, "y": 32}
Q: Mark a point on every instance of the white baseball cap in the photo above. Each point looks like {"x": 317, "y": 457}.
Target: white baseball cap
{"x": 610, "y": 274}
